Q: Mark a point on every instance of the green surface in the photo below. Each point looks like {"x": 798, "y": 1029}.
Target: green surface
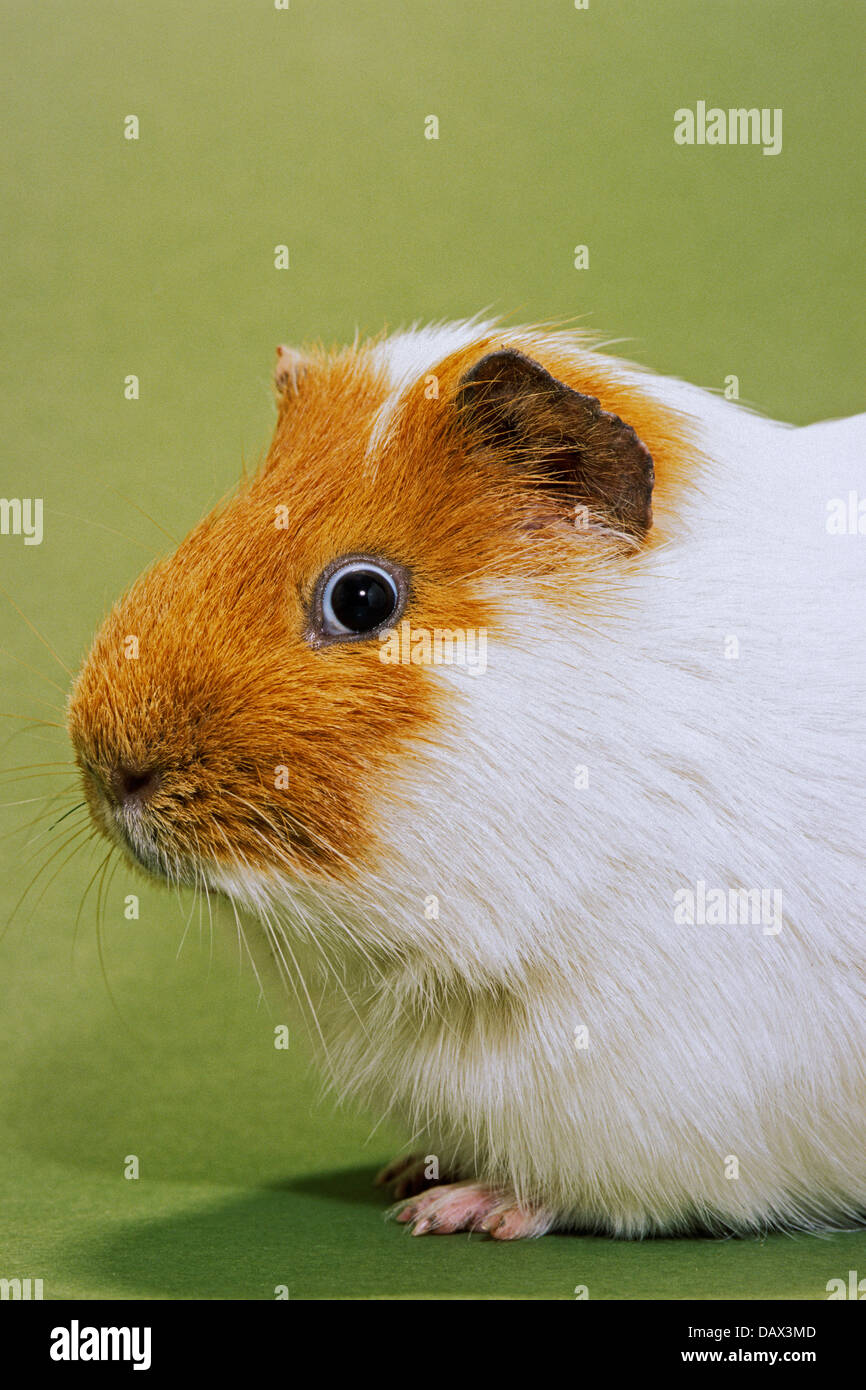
{"x": 156, "y": 258}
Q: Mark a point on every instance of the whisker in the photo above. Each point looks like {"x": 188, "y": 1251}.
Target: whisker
{"x": 42, "y": 815}
{"x": 274, "y": 849}
{"x": 35, "y": 838}
{"x": 209, "y": 909}
{"x": 130, "y": 540}
{"x": 313, "y": 936}
{"x": 285, "y": 941}
{"x": 242, "y": 937}
{"x": 34, "y": 723}
{"x": 87, "y": 889}
{"x": 36, "y": 632}
{"x": 329, "y": 966}
{"x": 38, "y": 851}
{"x": 241, "y": 933}
{"x": 129, "y": 502}
{"x": 28, "y": 800}
{"x": 68, "y": 813}
{"x": 195, "y": 899}
{"x": 199, "y": 884}
{"x": 276, "y": 937}
{"x": 34, "y": 738}
{"x": 36, "y": 672}
{"x": 74, "y": 836}
{"x": 25, "y": 767}
{"x": 100, "y": 910}
{"x": 188, "y": 920}
{"x": 31, "y": 776}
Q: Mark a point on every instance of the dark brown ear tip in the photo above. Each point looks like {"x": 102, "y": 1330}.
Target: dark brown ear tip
{"x": 639, "y": 520}
{"x": 490, "y": 365}
{"x": 508, "y": 367}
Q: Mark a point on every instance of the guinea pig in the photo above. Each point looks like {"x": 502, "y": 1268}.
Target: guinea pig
{"x": 519, "y": 696}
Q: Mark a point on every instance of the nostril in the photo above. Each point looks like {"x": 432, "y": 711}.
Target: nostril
{"x": 131, "y": 784}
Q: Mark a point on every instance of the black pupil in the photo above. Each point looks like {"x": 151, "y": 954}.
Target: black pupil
{"x": 361, "y": 600}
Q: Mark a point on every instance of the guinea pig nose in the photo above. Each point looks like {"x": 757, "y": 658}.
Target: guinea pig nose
{"x": 134, "y": 785}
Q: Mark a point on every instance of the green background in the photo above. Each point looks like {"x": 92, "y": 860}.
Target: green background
{"x": 155, "y": 257}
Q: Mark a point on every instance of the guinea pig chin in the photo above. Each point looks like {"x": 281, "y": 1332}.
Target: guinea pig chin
{"x": 139, "y": 838}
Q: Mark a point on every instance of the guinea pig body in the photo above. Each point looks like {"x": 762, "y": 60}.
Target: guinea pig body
{"x": 577, "y": 878}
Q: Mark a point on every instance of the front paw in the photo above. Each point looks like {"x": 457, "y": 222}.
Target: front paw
{"x": 472, "y": 1206}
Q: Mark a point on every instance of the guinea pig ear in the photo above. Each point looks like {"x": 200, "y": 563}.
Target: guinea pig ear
{"x": 576, "y": 453}
{"x": 288, "y": 371}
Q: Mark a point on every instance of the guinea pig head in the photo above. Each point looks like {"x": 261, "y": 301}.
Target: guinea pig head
{"x": 236, "y": 722}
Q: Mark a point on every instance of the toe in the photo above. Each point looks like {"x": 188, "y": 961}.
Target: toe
{"x": 511, "y": 1222}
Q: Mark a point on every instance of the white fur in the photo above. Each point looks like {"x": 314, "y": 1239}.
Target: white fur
{"x": 556, "y": 904}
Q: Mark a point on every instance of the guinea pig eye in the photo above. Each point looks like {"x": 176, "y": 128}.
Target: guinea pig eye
{"x": 357, "y": 597}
